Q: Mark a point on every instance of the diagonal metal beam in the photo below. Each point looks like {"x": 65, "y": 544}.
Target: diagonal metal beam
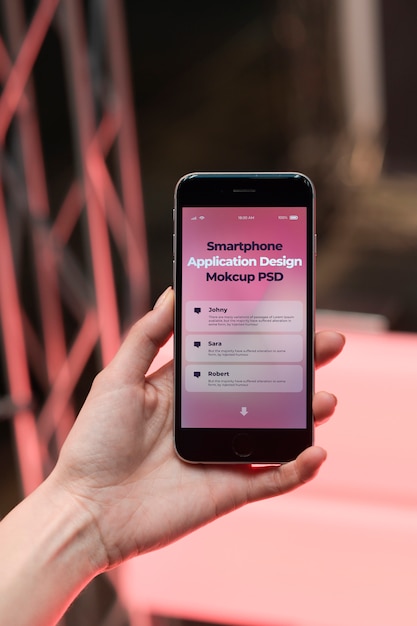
{"x": 102, "y": 268}
{"x": 22, "y": 68}
{"x": 24, "y": 422}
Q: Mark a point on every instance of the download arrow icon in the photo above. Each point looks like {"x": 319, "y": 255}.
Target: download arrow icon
{"x": 244, "y": 410}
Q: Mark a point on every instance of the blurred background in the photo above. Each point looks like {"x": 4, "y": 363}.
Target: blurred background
{"x": 104, "y": 105}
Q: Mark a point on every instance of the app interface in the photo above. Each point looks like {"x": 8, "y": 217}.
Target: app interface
{"x": 244, "y": 298}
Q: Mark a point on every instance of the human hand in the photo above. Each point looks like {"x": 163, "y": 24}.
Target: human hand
{"x": 119, "y": 464}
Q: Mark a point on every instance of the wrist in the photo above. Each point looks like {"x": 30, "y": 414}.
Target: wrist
{"x": 79, "y": 534}
{"x": 49, "y": 552}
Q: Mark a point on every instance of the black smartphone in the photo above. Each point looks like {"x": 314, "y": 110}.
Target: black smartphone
{"x": 244, "y": 267}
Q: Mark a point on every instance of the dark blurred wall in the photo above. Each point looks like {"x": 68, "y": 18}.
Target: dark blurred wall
{"x": 232, "y": 86}
{"x": 399, "y": 21}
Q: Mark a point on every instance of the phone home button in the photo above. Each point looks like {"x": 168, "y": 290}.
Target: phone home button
{"x": 242, "y": 446}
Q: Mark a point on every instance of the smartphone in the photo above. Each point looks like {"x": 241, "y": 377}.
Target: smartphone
{"x": 244, "y": 268}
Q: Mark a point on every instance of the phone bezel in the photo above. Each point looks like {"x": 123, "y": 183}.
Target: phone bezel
{"x": 226, "y": 445}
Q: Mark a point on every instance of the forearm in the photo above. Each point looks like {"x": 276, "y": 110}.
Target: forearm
{"x": 48, "y": 553}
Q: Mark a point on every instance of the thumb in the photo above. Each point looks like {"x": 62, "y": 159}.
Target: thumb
{"x": 274, "y": 481}
{"x": 144, "y": 340}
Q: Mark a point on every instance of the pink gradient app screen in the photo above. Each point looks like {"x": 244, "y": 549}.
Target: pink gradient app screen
{"x": 244, "y": 292}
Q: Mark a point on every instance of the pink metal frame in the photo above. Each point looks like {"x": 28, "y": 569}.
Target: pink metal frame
{"x": 111, "y": 214}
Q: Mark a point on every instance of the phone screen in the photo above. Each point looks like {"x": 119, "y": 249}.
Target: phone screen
{"x": 245, "y": 311}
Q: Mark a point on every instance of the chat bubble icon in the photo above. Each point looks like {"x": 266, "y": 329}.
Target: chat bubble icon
{"x": 197, "y": 309}
{"x": 197, "y": 374}
{"x": 197, "y": 344}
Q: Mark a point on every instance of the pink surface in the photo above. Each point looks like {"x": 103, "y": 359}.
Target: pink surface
{"x": 340, "y": 551}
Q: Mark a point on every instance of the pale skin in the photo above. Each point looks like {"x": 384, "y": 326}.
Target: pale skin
{"x": 119, "y": 490}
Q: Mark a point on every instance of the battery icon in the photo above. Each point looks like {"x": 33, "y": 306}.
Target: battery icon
{"x": 293, "y": 217}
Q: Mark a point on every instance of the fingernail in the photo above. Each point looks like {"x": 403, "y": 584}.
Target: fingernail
{"x": 162, "y": 298}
